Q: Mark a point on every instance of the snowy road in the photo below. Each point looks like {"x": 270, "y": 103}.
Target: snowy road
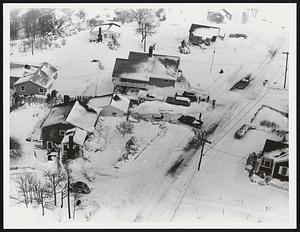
{"x": 172, "y": 190}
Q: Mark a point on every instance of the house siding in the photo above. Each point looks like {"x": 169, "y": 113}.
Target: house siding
{"x": 161, "y": 83}
{"x": 30, "y": 88}
{"x": 13, "y": 81}
{"x": 51, "y": 133}
{"x": 276, "y": 171}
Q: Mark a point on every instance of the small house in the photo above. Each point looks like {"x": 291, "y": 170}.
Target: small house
{"x": 200, "y": 33}
{"x": 19, "y": 70}
{"x": 144, "y": 70}
{"x": 108, "y": 31}
{"x": 33, "y": 80}
{"x": 65, "y": 116}
{"x": 77, "y": 137}
{"x": 275, "y": 160}
{"x": 219, "y": 16}
{"x": 110, "y": 105}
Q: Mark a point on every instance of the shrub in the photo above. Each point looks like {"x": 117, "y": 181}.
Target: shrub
{"x": 125, "y": 127}
{"x": 268, "y": 124}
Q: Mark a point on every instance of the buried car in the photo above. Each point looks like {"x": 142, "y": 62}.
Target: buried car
{"x": 240, "y": 133}
{"x": 238, "y": 35}
{"x": 145, "y": 96}
{"x": 190, "y": 120}
{"x": 80, "y": 187}
{"x": 190, "y": 95}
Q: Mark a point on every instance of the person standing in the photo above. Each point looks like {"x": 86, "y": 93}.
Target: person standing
{"x": 99, "y": 36}
{"x": 213, "y": 104}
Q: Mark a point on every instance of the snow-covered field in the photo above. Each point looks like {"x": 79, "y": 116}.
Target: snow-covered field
{"x": 140, "y": 190}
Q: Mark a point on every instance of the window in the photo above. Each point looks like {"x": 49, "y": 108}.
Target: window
{"x": 41, "y": 90}
{"x": 166, "y": 81}
{"x": 65, "y": 147}
{"x": 114, "y": 114}
{"x": 61, "y": 132}
{"x": 267, "y": 163}
{"x": 49, "y": 144}
{"x": 284, "y": 171}
{"x": 22, "y": 88}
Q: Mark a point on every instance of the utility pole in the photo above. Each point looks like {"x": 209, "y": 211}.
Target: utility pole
{"x": 212, "y": 60}
{"x": 203, "y": 141}
{"x": 286, "y": 63}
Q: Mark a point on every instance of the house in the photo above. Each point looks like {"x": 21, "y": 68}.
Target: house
{"x": 33, "y": 79}
{"x": 275, "y": 160}
{"x": 65, "y": 116}
{"x": 200, "y": 33}
{"x": 18, "y": 70}
{"x": 219, "y": 17}
{"x": 110, "y": 105}
{"x": 108, "y": 31}
{"x": 144, "y": 70}
{"x": 77, "y": 137}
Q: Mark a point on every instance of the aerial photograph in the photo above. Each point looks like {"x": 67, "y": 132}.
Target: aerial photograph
{"x": 149, "y": 115}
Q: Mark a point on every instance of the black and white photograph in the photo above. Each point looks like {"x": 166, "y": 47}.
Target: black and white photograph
{"x": 149, "y": 115}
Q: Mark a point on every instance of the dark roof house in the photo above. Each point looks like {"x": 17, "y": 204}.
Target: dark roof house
{"x": 142, "y": 70}
{"x": 65, "y": 116}
{"x": 199, "y": 33}
{"x": 275, "y": 160}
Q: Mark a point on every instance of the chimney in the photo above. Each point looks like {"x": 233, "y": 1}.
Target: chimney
{"x": 66, "y": 98}
{"x": 150, "y": 51}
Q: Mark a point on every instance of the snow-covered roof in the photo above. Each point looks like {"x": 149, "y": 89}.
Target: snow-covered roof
{"x": 206, "y": 32}
{"x": 139, "y": 66}
{"x": 120, "y": 102}
{"x": 73, "y": 112}
{"x": 82, "y": 117}
{"x": 19, "y": 70}
{"x": 78, "y": 134}
{"x": 38, "y": 78}
{"x": 109, "y": 26}
{"x": 41, "y": 75}
{"x": 279, "y": 155}
{"x": 195, "y": 26}
{"x": 100, "y": 101}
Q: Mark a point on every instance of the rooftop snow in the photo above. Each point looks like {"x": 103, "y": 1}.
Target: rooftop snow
{"x": 279, "y": 155}
{"x": 139, "y": 66}
{"x": 120, "y": 102}
{"x": 205, "y": 32}
{"x": 75, "y": 113}
{"x": 82, "y": 117}
{"x": 78, "y": 134}
{"x": 99, "y": 102}
{"x": 41, "y": 76}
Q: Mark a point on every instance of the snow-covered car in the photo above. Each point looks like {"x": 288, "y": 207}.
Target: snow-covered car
{"x": 178, "y": 100}
{"x": 240, "y": 133}
{"x": 190, "y": 95}
{"x": 189, "y": 120}
{"x": 145, "y": 96}
{"x": 238, "y": 35}
{"x": 80, "y": 187}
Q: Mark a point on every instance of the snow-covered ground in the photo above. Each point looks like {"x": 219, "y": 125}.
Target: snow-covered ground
{"x": 139, "y": 190}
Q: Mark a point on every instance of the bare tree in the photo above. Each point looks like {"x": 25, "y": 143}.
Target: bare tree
{"x": 124, "y": 15}
{"x": 146, "y": 29}
{"x": 15, "y": 24}
{"x": 42, "y": 196}
{"x": 54, "y": 180}
{"x": 30, "y": 24}
{"x": 147, "y": 23}
{"x": 81, "y": 14}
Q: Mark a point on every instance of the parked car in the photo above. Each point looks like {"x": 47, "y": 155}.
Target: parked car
{"x": 242, "y": 83}
{"x": 191, "y": 96}
{"x": 238, "y": 35}
{"x": 189, "y": 120}
{"x": 145, "y": 96}
{"x": 240, "y": 133}
{"x": 178, "y": 100}
{"x": 80, "y": 187}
